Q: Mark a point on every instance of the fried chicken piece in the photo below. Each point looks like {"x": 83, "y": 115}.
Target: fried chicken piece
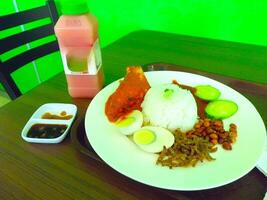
{"x": 129, "y": 95}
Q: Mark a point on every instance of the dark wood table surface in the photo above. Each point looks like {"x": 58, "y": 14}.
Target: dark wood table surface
{"x": 60, "y": 171}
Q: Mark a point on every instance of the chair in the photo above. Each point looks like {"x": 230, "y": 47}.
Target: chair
{"x": 6, "y": 44}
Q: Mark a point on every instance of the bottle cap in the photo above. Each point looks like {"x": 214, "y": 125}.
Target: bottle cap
{"x": 77, "y": 7}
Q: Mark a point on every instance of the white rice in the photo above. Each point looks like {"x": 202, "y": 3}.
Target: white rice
{"x": 171, "y": 107}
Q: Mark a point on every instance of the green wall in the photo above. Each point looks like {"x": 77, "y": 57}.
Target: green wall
{"x": 232, "y": 20}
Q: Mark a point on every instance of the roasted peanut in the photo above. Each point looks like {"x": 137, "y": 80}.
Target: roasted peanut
{"x": 218, "y": 123}
{"x": 222, "y": 135}
{"x": 209, "y": 130}
{"x": 233, "y": 134}
{"x": 206, "y": 124}
{"x": 214, "y": 141}
{"x": 233, "y": 126}
{"x": 197, "y": 126}
{"x": 204, "y": 133}
{"x": 213, "y": 136}
{"x": 220, "y": 140}
{"x": 227, "y": 146}
{"x": 201, "y": 129}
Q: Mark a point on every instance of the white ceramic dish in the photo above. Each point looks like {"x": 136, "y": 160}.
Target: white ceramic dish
{"x": 125, "y": 157}
{"x": 53, "y": 108}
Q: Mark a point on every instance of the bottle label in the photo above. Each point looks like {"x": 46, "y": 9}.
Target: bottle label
{"x": 95, "y": 59}
{"x": 82, "y": 60}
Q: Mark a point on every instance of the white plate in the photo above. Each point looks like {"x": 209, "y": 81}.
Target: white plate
{"x": 125, "y": 157}
{"x": 53, "y": 108}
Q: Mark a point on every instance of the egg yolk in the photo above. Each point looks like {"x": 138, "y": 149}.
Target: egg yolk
{"x": 144, "y": 137}
{"x": 125, "y": 122}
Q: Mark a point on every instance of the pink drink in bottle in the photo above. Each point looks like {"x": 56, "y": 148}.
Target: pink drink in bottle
{"x": 77, "y": 34}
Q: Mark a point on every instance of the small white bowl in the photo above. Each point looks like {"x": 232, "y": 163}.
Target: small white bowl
{"x": 53, "y": 108}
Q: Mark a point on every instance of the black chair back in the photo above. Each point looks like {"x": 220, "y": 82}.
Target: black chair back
{"x": 6, "y": 44}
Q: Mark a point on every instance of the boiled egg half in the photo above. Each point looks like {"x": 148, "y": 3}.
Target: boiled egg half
{"x": 130, "y": 123}
{"x": 152, "y": 139}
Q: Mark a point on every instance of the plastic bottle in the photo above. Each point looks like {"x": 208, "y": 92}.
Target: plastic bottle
{"x": 77, "y": 34}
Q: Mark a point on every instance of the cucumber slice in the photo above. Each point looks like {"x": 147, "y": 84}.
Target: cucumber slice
{"x": 221, "y": 109}
{"x": 207, "y": 92}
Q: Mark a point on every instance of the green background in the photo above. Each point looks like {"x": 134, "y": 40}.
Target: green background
{"x": 232, "y": 20}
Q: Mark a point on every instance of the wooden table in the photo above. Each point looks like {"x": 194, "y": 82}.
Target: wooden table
{"x": 41, "y": 171}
